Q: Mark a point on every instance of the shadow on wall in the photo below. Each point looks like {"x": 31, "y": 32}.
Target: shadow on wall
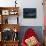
{"x": 37, "y": 29}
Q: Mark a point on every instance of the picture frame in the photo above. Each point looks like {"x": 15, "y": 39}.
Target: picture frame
{"x": 29, "y": 13}
{"x": 13, "y": 12}
{"x": 5, "y": 12}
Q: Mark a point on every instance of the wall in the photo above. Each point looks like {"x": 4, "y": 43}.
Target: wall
{"x": 32, "y": 4}
{"x": 27, "y": 4}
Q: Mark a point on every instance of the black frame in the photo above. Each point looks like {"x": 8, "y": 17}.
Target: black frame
{"x": 29, "y": 13}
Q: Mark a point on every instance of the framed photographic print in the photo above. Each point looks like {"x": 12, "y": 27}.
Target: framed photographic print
{"x": 29, "y": 13}
{"x": 5, "y": 12}
{"x": 13, "y": 12}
